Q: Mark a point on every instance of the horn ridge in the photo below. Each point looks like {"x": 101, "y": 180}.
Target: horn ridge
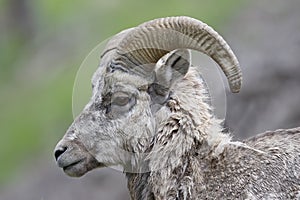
{"x": 148, "y": 42}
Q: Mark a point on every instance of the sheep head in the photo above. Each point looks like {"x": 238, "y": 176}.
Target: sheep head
{"x": 136, "y": 76}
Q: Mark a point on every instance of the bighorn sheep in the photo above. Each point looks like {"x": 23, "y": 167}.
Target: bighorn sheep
{"x": 149, "y": 113}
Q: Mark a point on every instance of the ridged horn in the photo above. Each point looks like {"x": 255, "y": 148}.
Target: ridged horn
{"x": 148, "y": 42}
{"x": 114, "y": 42}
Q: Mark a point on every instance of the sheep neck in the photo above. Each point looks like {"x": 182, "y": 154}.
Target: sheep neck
{"x": 172, "y": 159}
{"x": 185, "y": 140}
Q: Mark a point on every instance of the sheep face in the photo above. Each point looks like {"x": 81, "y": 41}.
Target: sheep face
{"x": 116, "y": 126}
{"x": 116, "y": 120}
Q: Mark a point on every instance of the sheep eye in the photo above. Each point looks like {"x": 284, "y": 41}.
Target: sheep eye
{"x": 120, "y": 99}
{"x": 120, "y": 104}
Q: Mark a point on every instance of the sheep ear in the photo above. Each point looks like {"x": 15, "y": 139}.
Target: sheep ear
{"x": 168, "y": 69}
{"x": 171, "y": 67}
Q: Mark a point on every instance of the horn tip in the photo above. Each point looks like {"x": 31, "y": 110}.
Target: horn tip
{"x": 235, "y": 88}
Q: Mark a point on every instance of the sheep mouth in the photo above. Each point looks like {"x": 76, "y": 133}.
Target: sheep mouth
{"x": 81, "y": 166}
{"x": 76, "y": 169}
{"x": 73, "y": 164}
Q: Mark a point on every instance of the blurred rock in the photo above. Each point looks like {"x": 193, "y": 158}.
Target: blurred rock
{"x": 266, "y": 39}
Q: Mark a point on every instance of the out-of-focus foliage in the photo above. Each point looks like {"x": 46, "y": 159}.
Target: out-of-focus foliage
{"x": 41, "y": 46}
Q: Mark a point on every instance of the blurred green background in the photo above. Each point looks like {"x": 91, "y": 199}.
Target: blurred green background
{"x": 42, "y": 44}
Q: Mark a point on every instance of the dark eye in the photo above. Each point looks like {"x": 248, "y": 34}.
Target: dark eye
{"x": 120, "y": 99}
{"x": 120, "y": 104}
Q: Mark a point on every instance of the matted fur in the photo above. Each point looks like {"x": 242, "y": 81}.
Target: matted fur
{"x": 190, "y": 157}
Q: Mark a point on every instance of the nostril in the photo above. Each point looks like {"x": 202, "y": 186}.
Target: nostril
{"x": 58, "y": 152}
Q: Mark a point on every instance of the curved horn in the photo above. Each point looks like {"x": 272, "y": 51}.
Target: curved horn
{"x": 151, "y": 40}
{"x": 114, "y": 42}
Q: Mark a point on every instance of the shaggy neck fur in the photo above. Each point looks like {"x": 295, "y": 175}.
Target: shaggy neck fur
{"x": 187, "y": 133}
